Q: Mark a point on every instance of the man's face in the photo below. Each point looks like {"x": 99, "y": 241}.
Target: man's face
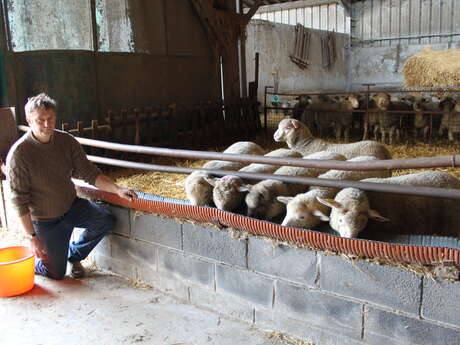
{"x": 42, "y": 122}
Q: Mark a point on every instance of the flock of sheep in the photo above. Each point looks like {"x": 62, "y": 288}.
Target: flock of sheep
{"x": 347, "y": 210}
{"x": 324, "y": 114}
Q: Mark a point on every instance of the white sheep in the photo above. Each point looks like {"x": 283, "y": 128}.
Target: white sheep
{"x": 261, "y": 199}
{"x": 351, "y": 208}
{"x": 299, "y": 138}
{"x": 198, "y": 190}
{"x": 305, "y": 211}
{"x": 228, "y": 192}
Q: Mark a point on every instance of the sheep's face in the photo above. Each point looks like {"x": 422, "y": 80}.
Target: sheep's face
{"x": 382, "y": 100}
{"x": 228, "y": 193}
{"x": 262, "y": 204}
{"x": 353, "y": 100}
{"x": 198, "y": 191}
{"x": 348, "y": 223}
{"x": 301, "y": 214}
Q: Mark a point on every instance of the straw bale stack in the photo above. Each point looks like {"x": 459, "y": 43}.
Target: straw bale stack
{"x": 433, "y": 68}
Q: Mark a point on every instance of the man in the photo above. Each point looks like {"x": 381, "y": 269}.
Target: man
{"x": 40, "y": 166}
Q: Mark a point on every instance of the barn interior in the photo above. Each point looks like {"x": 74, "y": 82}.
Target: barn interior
{"x": 155, "y": 89}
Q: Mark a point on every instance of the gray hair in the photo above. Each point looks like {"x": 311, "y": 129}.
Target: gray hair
{"x": 41, "y": 101}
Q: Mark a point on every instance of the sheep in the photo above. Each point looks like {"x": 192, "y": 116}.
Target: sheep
{"x": 261, "y": 199}
{"x": 299, "y": 138}
{"x": 351, "y": 208}
{"x": 450, "y": 120}
{"x": 338, "y": 114}
{"x": 305, "y": 211}
{"x": 228, "y": 192}
{"x": 198, "y": 190}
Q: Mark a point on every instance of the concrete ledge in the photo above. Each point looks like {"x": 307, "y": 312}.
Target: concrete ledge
{"x": 381, "y": 285}
{"x": 216, "y": 244}
{"x": 319, "y": 310}
{"x": 295, "y": 264}
{"x": 384, "y": 328}
{"x": 156, "y": 229}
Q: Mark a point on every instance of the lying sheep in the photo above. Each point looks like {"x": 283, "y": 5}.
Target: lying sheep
{"x": 198, "y": 190}
{"x": 305, "y": 211}
{"x": 228, "y": 192}
{"x": 261, "y": 199}
{"x": 351, "y": 207}
{"x": 299, "y": 138}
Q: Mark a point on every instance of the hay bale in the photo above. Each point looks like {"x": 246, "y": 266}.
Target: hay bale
{"x": 433, "y": 68}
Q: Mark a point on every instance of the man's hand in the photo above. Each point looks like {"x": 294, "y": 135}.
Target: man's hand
{"x": 37, "y": 247}
{"x": 126, "y": 193}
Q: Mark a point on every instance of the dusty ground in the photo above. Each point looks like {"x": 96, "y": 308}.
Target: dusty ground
{"x": 103, "y": 309}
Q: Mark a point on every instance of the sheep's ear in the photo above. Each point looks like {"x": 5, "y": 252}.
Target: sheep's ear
{"x": 284, "y": 199}
{"x": 321, "y": 215}
{"x": 375, "y": 215}
{"x": 330, "y": 203}
{"x": 181, "y": 183}
{"x": 211, "y": 181}
{"x": 295, "y": 124}
{"x": 244, "y": 188}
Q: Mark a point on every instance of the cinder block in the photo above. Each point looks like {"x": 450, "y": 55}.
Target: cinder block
{"x": 215, "y": 244}
{"x": 165, "y": 282}
{"x": 301, "y": 329}
{"x": 225, "y": 304}
{"x": 186, "y": 267}
{"x": 138, "y": 254}
{"x": 247, "y": 285}
{"x": 123, "y": 224}
{"x": 295, "y": 264}
{"x": 319, "y": 309}
{"x": 103, "y": 247}
{"x": 381, "y": 285}
{"x": 384, "y": 328}
{"x": 113, "y": 265}
{"x": 156, "y": 229}
{"x": 441, "y": 301}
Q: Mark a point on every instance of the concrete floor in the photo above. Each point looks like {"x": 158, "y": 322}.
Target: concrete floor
{"x": 103, "y": 309}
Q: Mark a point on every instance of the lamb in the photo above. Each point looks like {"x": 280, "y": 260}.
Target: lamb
{"x": 228, "y": 192}
{"x": 305, "y": 211}
{"x": 198, "y": 190}
{"x": 261, "y": 199}
{"x": 299, "y": 138}
{"x": 351, "y": 208}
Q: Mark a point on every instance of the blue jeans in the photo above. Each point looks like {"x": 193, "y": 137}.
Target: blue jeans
{"x": 55, "y": 235}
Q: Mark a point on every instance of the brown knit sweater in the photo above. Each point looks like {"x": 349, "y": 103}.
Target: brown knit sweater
{"x": 40, "y": 174}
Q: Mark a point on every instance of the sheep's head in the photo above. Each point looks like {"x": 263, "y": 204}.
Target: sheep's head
{"x": 303, "y": 213}
{"x": 289, "y": 130}
{"x": 197, "y": 190}
{"x": 228, "y": 192}
{"x": 382, "y": 100}
{"x": 349, "y": 216}
{"x": 261, "y": 201}
{"x": 353, "y": 100}
{"x": 447, "y": 104}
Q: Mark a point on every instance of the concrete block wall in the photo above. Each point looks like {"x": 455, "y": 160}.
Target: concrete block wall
{"x": 324, "y": 299}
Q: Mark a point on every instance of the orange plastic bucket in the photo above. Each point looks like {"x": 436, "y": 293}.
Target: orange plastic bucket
{"x": 16, "y": 270}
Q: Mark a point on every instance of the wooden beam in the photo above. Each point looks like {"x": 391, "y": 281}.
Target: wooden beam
{"x": 252, "y": 10}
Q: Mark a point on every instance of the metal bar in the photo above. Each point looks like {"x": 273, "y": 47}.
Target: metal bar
{"x": 371, "y": 33}
{"x": 387, "y": 164}
{"x": 419, "y": 21}
{"x": 430, "y": 20}
{"x": 381, "y": 21}
{"x": 407, "y": 89}
{"x": 410, "y": 21}
{"x": 389, "y": 26}
{"x": 411, "y": 37}
{"x": 362, "y": 20}
{"x": 441, "y": 5}
{"x": 376, "y": 187}
{"x": 451, "y": 21}
{"x": 6, "y": 22}
{"x": 399, "y": 28}
{"x": 336, "y": 19}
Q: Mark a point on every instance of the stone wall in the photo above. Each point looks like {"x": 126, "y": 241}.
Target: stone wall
{"x": 325, "y": 299}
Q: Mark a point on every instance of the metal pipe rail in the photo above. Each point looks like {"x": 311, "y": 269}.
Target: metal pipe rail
{"x": 376, "y": 187}
{"x": 387, "y": 164}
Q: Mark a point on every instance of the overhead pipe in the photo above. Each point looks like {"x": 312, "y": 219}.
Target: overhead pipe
{"x": 386, "y": 164}
{"x": 376, "y": 187}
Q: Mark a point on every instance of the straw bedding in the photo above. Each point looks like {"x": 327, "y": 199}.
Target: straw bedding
{"x": 433, "y": 68}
